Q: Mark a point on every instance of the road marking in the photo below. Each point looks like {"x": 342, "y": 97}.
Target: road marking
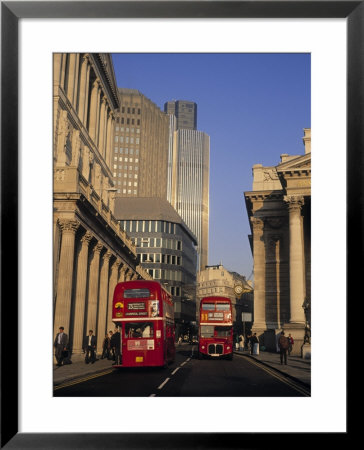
{"x": 175, "y": 370}
{"x": 164, "y": 382}
{"x": 152, "y": 395}
{"x": 302, "y": 390}
{"x": 188, "y": 359}
{"x": 183, "y": 363}
{"x": 81, "y": 380}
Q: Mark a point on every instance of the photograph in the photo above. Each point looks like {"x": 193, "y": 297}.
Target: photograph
{"x": 182, "y": 224}
{"x": 157, "y": 214}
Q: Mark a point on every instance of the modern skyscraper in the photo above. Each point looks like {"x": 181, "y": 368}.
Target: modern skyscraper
{"x": 141, "y": 147}
{"x": 192, "y": 199}
{"x": 189, "y": 169}
{"x": 185, "y": 112}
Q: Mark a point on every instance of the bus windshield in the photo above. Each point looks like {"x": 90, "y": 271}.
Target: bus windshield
{"x": 223, "y": 331}
{"x": 139, "y": 330}
{"x": 209, "y": 331}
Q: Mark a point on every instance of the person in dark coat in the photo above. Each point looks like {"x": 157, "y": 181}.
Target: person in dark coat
{"x": 116, "y": 346}
{"x": 253, "y": 340}
{"x": 111, "y": 350}
{"x": 89, "y": 347}
{"x": 283, "y": 344}
{"x": 60, "y": 344}
{"x": 106, "y": 347}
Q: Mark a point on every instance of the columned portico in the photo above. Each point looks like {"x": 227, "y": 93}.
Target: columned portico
{"x": 281, "y": 199}
{"x": 86, "y": 232}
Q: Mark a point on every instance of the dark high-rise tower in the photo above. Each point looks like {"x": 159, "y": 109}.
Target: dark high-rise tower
{"x": 185, "y": 112}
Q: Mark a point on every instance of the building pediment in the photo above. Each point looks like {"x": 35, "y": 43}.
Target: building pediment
{"x": 300, "y": 163}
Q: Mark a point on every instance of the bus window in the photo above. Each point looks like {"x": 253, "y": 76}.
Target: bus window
{"x": 207, "y": 331}
{"x": 222, "y": 331}
{"x": 208, "y": 306}
{"x": 139, "y": 330}
{"x": 136, "y": 293}
{"x": 222, "y": 307}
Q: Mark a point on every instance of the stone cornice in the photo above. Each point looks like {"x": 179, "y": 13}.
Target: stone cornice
{"x": 263, "y": 195}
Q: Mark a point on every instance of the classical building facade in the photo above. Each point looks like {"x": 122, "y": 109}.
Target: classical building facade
{"x": 279, "y": 210}
{"x": 91, "y": 252}
{"x": 166, "y": 248}
{"x": 140, "y": 156}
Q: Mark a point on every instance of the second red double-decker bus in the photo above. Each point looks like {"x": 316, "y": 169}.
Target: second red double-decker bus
{"x": 144, "y": 312}
{"x": 215, "y": 328}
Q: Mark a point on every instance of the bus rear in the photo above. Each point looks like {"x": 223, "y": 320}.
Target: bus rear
{"x": 215, "y": 328}
{"x": 144, "y": 312}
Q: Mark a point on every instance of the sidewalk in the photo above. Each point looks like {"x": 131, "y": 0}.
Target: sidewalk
{"x": 79, "y": 369}
{"x": 297, "y": 368}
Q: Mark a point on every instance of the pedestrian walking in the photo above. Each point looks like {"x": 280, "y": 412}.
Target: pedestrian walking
{"x": 290, "y": 344}
{"x": 241, "y": 342}
{"x": 89, "y": 347}
{"x": 254, "y": 344}
{"x": 112, "y": 350}
{"x": 60, "y": 344}
{"x": 283, "y": 347}
{"x": 116, "y": 345}
{"x": 106, "y": 347}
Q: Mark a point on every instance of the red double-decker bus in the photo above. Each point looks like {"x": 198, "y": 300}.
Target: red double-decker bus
{"x": 215, "y": 328}
{"x": 144, "y": 312}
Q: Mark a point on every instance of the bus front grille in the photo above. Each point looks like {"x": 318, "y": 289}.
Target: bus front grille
{"x": 215, "y": 349}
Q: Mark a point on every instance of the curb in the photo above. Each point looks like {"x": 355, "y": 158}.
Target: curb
{"x": 76, "y": 377}
{"x": 307, "y": 385}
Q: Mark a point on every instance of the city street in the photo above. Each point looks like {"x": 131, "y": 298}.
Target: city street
{"x": 187, "y": 377}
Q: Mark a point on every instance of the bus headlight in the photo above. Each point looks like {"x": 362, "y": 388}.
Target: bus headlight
{"x": 228, "y": 348}
{"x": 202, "y": 346}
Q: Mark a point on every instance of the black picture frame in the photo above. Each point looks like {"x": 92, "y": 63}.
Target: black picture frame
{"x": 11, "y": 12}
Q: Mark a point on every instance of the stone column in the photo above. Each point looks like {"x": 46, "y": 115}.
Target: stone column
{"x": 122, "y": 273}
{"x": 79, "y": 317}
{"x": 296, "y": 259}
{"x": 84, "y": 81}
{"x": 113, "y": 282}
{"x": 93, "y": 125}
{"x": 104, "y": 285}
{"x": 93, "y": 293}
{"x": 72, "y": 67}
{"x": 259, "y": 325}
{"x": 65, "y": 275}
{"x": 109, "y": 139}
{"x": 57, "y": 64}
{"x": 102, "y": 127}
{"x": 63, "y": 68}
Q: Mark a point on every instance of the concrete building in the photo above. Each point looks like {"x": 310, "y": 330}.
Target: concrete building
{"x": 185, "y": 113}
{"x": 218, "y": 281}
{"x": 140, "y": 154}
{"x": 91, "y": 252}
{"x": 279, "y": 210}
{"x": 166, "y": 248}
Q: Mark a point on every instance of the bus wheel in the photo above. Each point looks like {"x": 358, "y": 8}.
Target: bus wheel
{"x": 199, "y": 355}
{"x": 165, "y": 365}
{"x": 230, "y": 357}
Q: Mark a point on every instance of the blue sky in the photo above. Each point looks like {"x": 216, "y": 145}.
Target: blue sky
{"x": 254, "y": 108}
